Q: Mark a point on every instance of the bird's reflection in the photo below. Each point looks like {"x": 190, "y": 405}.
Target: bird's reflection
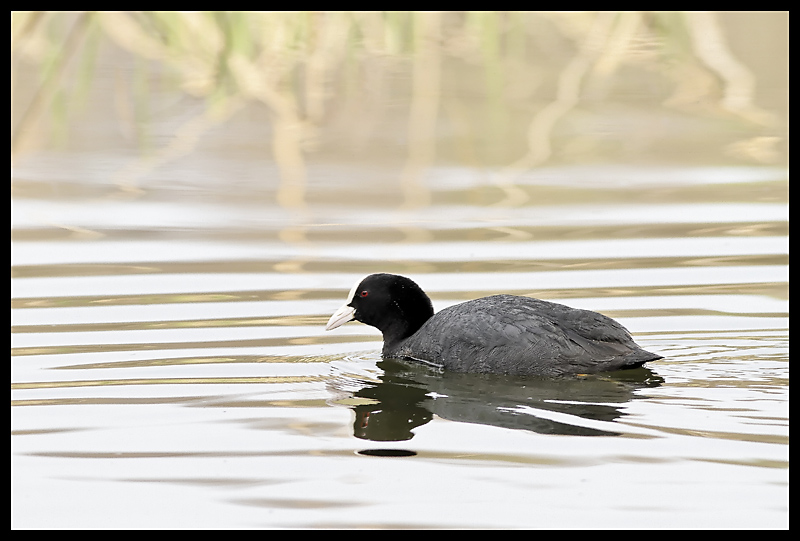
{"x": 408, "y": 394}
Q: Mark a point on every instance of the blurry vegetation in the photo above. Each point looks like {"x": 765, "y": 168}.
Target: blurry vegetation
{"x": 503, "y": 89}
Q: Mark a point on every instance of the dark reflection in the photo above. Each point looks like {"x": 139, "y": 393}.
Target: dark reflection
{"x": 409, "y": 394}
{"x": 387, "y": 452}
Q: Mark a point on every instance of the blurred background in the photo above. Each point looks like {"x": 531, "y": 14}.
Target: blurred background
{"x": 193, "y": 194}
{"x": 495, "y": 93}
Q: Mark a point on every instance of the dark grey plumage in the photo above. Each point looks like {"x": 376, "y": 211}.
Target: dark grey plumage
{"x": 499, "y": 334}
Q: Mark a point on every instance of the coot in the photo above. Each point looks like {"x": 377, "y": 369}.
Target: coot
{"x": 502, "y": 334}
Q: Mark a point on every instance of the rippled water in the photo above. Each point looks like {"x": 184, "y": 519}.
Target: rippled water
{"x": 170, "y": 366}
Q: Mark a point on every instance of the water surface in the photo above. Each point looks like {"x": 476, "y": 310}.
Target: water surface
{"x": 170, "y": 366}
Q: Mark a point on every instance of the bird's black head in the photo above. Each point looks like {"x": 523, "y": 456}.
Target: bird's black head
{"x": 393, "y": 304}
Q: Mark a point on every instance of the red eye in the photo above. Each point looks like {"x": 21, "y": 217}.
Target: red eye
{"x": 364, "y": 293}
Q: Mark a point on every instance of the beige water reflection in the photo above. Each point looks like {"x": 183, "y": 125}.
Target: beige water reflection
{"x": 328, "y": 80}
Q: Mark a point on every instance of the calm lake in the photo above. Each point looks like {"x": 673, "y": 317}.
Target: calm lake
{"x": 169, "y": 363}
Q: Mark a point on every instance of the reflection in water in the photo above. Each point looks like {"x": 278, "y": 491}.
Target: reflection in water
{"x": 387, "y": 452}
{"x": 330, "y": 83}
{"x": 409, "y": 394}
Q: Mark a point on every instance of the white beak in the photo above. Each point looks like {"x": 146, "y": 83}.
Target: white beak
{"x": 345, "y": 313}
{"x": 340, "y": 317}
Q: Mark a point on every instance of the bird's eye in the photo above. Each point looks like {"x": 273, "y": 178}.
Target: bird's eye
{"x": 364, "y": 293}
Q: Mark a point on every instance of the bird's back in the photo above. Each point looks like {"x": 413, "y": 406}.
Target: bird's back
{"x": 520, "y": 335}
